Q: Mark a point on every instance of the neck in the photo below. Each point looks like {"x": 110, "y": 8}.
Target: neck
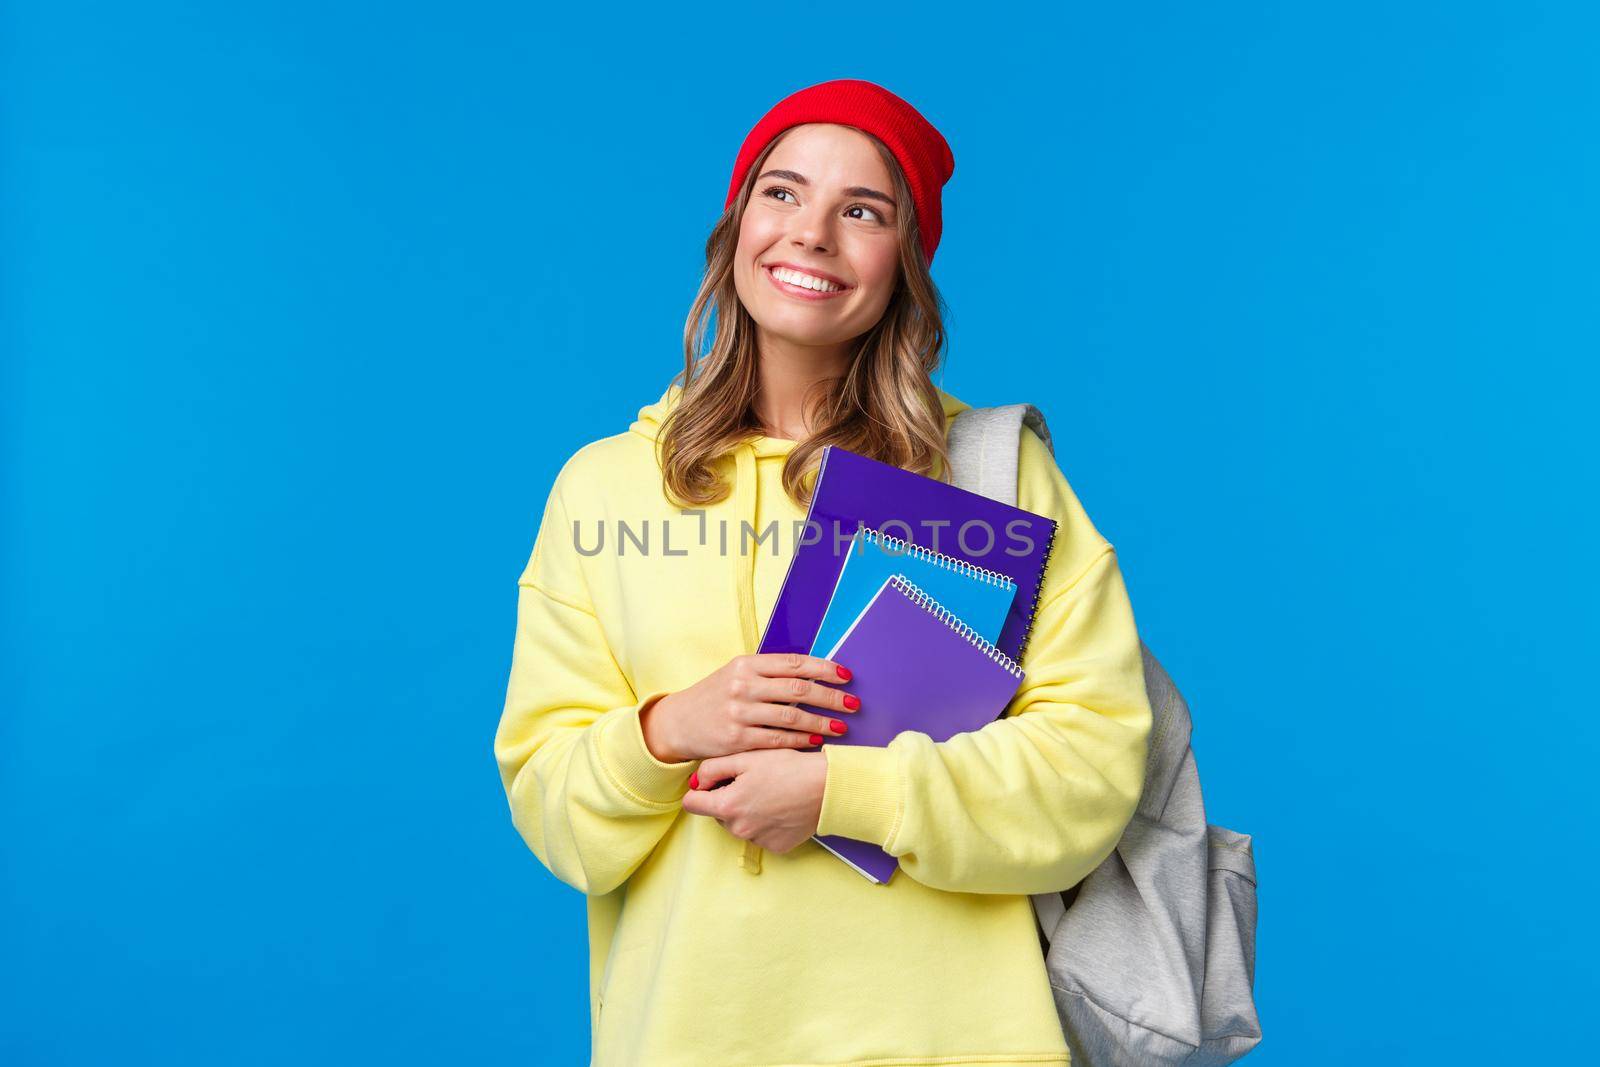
{"x": 787, "y": 374}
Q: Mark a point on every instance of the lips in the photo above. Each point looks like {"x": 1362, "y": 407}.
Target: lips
{"x": 800, "y": 292}
{"x": 801, "y": 268}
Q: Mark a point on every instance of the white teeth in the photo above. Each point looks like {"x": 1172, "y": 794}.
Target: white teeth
{"x": 794, "y": 277}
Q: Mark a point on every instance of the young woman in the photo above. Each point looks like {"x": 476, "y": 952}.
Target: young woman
{"x": 653, "y": 761}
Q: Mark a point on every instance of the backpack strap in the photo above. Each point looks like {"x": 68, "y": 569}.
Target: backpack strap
{"x": 983, "y": 447}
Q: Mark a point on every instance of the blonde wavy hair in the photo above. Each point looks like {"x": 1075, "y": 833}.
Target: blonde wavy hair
{"x": 885, "y": 406}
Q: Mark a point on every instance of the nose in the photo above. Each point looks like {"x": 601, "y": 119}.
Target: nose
{"x": 812, "y": 227}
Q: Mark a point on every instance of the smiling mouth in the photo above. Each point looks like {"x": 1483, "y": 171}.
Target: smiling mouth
{"x": 805, "y": 286}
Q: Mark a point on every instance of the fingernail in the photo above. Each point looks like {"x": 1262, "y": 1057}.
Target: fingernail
{"x": 694, "y": 780}
{"x": 852, "y": 702}
{"x": 838, "y": 727}
{"x": 844, "y": 672}
{"x": 816, "y": 739}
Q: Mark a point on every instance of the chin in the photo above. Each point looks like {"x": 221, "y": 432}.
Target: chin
{"x": 800, "y": 333}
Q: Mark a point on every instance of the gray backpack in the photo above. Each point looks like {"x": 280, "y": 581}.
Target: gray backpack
{"x": 1152, "y": 956}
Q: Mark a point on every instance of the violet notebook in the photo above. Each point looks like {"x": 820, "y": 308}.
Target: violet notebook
{"x": 915, "y": 666}
{"x": 852, "y": 490}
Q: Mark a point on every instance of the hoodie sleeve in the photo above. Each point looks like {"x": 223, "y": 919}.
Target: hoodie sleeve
{"x": 586, "y": 794}
{"x": 1032, "y": 802}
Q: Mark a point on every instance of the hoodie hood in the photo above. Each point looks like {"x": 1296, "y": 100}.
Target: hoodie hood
{"x": 746, "y": 487}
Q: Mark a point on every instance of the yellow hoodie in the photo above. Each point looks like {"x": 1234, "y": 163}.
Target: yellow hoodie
{"x": 704, "y": 951}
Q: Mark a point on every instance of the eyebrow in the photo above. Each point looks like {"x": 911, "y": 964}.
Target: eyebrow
{"x": 854, "y": 190}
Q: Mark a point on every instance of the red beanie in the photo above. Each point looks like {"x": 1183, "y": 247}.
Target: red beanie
{"x": 921, "y": 150}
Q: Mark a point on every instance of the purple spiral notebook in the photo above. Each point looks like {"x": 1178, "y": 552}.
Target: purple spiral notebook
{"x": 852, "y": 489}
{"x": 916, "y": 667}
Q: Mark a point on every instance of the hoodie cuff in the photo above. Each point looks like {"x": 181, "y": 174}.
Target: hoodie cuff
{"x": 861, "y": 798}
{"x": 631, "y": 763}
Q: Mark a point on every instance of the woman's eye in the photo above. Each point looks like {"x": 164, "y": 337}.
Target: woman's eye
{"x": 873, "y": 210}
{"x": 776, "y": 191}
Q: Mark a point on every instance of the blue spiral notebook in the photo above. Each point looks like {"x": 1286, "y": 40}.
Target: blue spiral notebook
{"x": 979, "y": 597}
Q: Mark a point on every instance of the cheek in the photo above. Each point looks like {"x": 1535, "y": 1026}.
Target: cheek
{"x": 757, "y": 232}
{"x": 749, "y": 248}
{"x": 879, "y": 270}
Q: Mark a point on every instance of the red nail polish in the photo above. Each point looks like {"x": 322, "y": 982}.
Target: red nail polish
{"x": 844, "y": 672}
{"x": 838, "y": 727}
{"x": 852, "y": 702}
{"x": 816, "y": 739}
{"x": 694, "y": 780}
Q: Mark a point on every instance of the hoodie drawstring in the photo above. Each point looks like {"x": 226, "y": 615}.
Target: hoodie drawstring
{"x": 746, "y": 486}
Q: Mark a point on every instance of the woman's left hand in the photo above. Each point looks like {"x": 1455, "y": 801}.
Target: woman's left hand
{"x": 773, "y": 796}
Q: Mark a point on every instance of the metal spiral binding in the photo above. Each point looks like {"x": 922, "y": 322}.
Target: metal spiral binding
{"x": 911, "y": 548}
{"x": 950, "y": 619}
{"x": 1033, "y": 609}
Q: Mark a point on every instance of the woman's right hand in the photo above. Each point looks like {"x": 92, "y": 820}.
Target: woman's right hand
{"x": 745, "y": 704}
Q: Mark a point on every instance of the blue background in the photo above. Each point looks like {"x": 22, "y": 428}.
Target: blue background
{"x": 305, "y": 304}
